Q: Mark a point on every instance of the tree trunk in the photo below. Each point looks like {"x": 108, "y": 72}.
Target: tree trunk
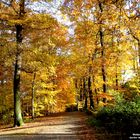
{"x": 18, "y": 121}
{"x": 90, "y": 93}
{"x": 139, "y": 63}
{"x": 117, "y": 81}
{"x": 97, "y": 100}
{"x": 101, "y": 34}
{"x": 76, "y": 87}
{"x": 116, "y": 76}
{"x": 2, "y": 94}
{"x": 85, "y": 93}
{"x": 139, "y": 51}
{"x": 33, "y": 95}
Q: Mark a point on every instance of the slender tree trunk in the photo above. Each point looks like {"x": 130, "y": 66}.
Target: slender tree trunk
{"x": 33, "y": 94}
{"x": 103, "y": 65}
{"x": 139, "y": 63}
{"x": 18, "y": 121}
{"x": 85, "y": 93}
{"x": 76, "y": 86}
{"x": 139, "y": 51}
{"x": 101, "y": 34}
{"x": 117, "y": 81}
{"x": 116, "y": 75}
{"x": 97, "y": 100}
{"x": 86, "y": 102}
{"x": 90, "y": 93}
{"x": 2, "y": 99}
{"x": 81, "y": 89}
{"x": 90, "y": 81}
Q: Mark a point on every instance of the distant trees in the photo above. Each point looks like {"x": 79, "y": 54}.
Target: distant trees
{"x": 103, "y": 32}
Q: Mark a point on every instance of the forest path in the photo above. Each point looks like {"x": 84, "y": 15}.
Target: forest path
{"x": 65, "y": 126}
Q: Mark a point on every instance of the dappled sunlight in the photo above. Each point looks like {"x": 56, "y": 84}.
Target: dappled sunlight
{"x": 67, "y": 125}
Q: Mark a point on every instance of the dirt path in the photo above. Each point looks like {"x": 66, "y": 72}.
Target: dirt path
{"x": 67, "y": 126}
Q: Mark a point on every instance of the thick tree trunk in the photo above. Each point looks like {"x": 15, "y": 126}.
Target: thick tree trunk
{"x": 18, "y": 121}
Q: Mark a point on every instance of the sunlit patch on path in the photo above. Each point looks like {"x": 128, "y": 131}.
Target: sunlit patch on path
{"x": 67, "y": 126}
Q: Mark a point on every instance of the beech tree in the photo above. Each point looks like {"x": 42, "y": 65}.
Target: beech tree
{"x": 23, "y": 24}
{"x": 8, "y": 6}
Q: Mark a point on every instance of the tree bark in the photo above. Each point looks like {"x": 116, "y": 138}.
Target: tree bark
{"x": 76, "y": 87}
{"x": 90, "y": 93}
{"x": 85, "y": 94}
{"x": 117, "y": 81}
{"x": 33, "y": 95}
{"x": 97, "y": 100}
{"x": 101, "y": 35}
{"x": 18, "y": 120}
{"x": 116, "y": 75}
{"x": 81, "y": 90}
{"x": 139, "y": 51}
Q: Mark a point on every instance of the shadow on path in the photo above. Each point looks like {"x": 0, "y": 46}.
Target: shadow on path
{"x": 67, "y": 126}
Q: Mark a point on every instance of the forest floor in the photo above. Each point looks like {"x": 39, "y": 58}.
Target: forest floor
{"x": 63, "y": 126}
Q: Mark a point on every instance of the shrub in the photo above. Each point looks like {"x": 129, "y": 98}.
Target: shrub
{"x": 7, "y": 117}
{"x": 124, "y": 117}
{"x": 94, "y": 122}
{"x": 121, "y": 115}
